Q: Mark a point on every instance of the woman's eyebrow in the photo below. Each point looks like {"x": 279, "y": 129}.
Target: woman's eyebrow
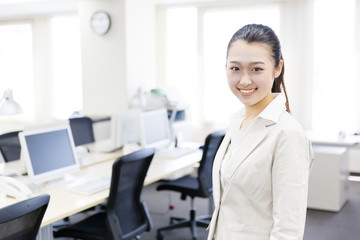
{"x": 251, "y": 63}
{"x": 256, "y": 63}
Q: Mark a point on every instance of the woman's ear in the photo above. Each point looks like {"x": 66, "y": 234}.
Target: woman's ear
{"x": 278, "y": 69}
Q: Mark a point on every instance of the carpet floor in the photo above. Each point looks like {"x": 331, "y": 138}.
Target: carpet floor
{"x": 320, "y": 225}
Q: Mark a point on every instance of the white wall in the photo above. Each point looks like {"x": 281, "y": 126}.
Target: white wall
{"x": 116, "y": 64}
{"x": 296, "y": 40}
{"x": 140, "y": 45}
{"x": 103, "y": 59}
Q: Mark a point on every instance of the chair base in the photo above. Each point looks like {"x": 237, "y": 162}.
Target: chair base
{"x": 192, "y": 222}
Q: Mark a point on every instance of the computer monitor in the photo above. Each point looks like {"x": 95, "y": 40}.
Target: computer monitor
{"x": 49, "y": 153}
{"x": 124, "y": 128}
{"x": 155, "y": 129}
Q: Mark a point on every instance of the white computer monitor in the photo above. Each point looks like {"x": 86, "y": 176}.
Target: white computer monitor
{"x": 49, "y": 153}
{"x": 155, "y": 129}
{"x": 124, "y": 128}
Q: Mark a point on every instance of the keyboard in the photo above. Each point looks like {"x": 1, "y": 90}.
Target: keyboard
{"x": 91, "y": 186}
{"x": 175, "y": 152}
{"x": 108, "y": 149}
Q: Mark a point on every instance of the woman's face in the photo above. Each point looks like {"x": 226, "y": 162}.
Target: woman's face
{"x": 250, "y": 71}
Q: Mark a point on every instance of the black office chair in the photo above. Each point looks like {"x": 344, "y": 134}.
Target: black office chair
{"x": 82, "y": 130}
{"x": 126, "y": 215}
{"x": 22, "y": 220}
{"x": 200, "y": 186}
{"x": 10, "y": 146}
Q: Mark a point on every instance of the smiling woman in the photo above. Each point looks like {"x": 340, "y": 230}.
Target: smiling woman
{"x": 249, "y": 68}
{"x": 262, "y": 167}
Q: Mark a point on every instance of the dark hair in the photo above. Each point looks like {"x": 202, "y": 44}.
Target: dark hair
{"x": 263, "y": 34}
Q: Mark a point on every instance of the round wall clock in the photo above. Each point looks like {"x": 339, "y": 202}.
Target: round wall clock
{"x": 100, "y": 22}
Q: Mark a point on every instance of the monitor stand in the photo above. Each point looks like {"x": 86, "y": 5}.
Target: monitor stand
{"x": 59, "y": 181}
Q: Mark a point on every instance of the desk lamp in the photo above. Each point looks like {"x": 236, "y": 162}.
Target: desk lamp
{"x": 7, "y": 104}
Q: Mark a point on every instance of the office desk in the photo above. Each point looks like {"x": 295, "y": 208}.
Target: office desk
{"x": 328, "y": 180}
{"x": 337, "y": 140}
{"x": 64, "y": 203}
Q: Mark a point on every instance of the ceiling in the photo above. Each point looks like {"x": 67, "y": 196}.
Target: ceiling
{"x": 12, "y": 9}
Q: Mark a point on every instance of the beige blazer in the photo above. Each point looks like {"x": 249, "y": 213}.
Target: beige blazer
{"x": 266, "y": 196}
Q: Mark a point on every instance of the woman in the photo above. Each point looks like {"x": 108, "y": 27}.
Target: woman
{"x": 260, "y": 173}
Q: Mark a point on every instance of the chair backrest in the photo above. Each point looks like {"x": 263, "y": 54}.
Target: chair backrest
{"x": 10, "y": 146}
{"x": 22, "y": 220}
{"x": 127, "y": 213}
{"x": 82, "y": 130}
{"x": 212, "y": 144}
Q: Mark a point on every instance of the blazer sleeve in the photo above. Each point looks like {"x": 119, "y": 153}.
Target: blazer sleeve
{"x": 290, "y": 173}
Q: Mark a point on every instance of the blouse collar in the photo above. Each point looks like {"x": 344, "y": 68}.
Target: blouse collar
{"x": 271, "y": 112}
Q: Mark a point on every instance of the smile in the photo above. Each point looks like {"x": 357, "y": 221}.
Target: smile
{"x": 247, "y": 90}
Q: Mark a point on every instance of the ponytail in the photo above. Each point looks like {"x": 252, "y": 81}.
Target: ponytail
{"x": 279, "y": 86}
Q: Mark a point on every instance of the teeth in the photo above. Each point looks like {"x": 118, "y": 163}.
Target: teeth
{"x": 247, "y": 91}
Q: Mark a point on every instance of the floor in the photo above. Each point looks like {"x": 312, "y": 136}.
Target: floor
{"x": 320, "y": 225}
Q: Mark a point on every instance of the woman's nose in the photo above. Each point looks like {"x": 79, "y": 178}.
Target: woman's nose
{"x": 245, "y": 80}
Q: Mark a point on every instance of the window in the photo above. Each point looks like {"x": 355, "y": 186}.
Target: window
{"x": 66, "y": 62}
{"x": 181, "y": 55}
{"x": 335, "y": 87}
{"x": 16, "y": 64}
{"x": 40, "y": 61}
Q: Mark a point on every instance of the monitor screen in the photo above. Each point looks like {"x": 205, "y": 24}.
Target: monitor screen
{"x": 124, "y": 128}
{"x": 155, "y": 129}
{"x": 48, "y": 152}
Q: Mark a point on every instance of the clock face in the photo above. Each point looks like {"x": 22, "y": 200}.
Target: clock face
{"x": 100, "y": 22}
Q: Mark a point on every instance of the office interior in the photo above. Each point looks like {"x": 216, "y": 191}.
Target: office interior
{"x": 62, "y": 68}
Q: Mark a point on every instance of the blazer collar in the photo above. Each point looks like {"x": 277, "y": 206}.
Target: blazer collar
{"x": 271, "y": 113}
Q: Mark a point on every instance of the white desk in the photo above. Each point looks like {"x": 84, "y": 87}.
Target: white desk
{"x": 328, "y": 181}
{"x": 64, "y": 203}
{"x": 330, "y": 139}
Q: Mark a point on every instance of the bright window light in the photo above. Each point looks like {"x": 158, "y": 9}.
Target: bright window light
{"x": 181, "y": 55}
{"x": 16, "y": 65}
{"x": 66, "y": 61}
{"x": 335, "y": 87}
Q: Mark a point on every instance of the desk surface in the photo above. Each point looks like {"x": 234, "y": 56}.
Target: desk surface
{"x": 65, "y": 203}
{"x": 330, "y": 139}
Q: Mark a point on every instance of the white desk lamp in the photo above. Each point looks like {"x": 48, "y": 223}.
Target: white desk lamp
{"x": 7, "y": 104}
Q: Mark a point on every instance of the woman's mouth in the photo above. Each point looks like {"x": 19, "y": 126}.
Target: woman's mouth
{"x": 247, "y": 92}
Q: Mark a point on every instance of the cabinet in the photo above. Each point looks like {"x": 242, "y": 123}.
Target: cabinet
{"x": 328, "y": 180}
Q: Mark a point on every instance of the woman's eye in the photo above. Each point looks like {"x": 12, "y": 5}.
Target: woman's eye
{"x": 234, "y": 68}
{"x": 256, "y": 69}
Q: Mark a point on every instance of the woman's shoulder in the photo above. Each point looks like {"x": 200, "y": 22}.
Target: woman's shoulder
{"x": 287, "y": 123}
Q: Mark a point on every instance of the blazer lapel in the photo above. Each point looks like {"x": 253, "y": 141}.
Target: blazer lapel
{"x": 216, "y": 168}
{"x": 216, "y": 184}
{"x": 252, "y": 138}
